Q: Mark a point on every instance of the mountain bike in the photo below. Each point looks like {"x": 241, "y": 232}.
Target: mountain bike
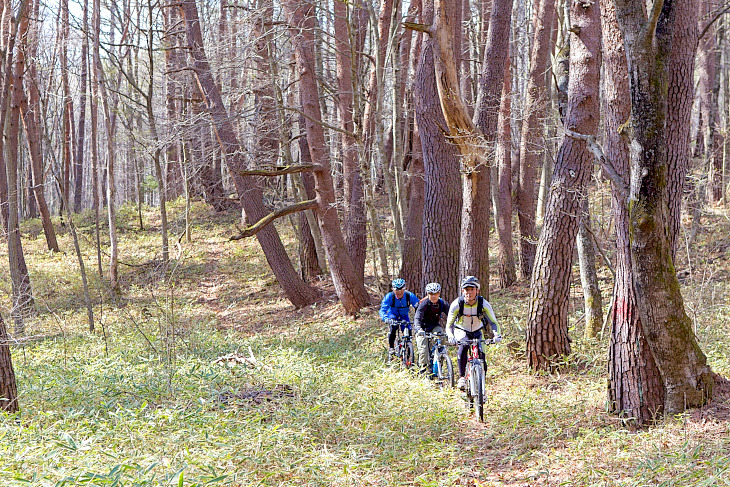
{"x": 403, "y": 344}
{"x": 439, "y": 361}
{"x": 476, "y": 369}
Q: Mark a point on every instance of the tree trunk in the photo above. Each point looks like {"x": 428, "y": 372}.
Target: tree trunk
{"x": 350, "y": 289}
{"x": 503, "y": 196}
{"x": 708, "y": 88}
{"x": 648, "y": 42}
{"x": 111, "y": 183}
{"x": 8, "y": 388}
{"x": 547, "y": 330}
{"x": 30, "y": 108}
{"x": 680, "y": 97}
{"x": 441, "y": 235}
{"x": 79, "y": 159}
{"x": 311, "y": 253}
{"x": 354, "y": 214}
{"x": 249, "y": 190}
{"x": 593, "y": 302}
{"x": 67, "y": 106}
{"x": 531, "y": 146}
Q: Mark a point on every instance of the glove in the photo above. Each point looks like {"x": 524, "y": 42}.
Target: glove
{"x": 452, "y": 340}
{"x": 497, "y": 339}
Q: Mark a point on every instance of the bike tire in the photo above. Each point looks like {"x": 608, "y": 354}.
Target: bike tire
{"x": 445, "y": 371}
{"x": 478, "y": 375}
{"x": 408, "y": 355}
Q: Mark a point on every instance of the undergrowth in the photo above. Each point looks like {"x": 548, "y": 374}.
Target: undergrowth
{"x": 210, "y": 377}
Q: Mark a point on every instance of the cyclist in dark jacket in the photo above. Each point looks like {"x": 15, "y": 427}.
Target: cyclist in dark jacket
{"x": 428, "y": 320}
{"x": 395, "y": 307}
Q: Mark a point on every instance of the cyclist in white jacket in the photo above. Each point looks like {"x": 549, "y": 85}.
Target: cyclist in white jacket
{"x": 468, "y": 315}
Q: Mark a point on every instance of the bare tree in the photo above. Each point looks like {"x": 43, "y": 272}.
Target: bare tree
{"x": 8, "y": 388}
{"x": 349, "y": 287}
{"x": 248, "y": 187}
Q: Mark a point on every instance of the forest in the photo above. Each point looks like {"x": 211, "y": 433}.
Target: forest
{"x": 203, "y": 204}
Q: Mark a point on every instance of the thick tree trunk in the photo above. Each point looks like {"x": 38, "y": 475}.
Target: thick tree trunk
{"x": 8, "y": 388}
{"x": 680, "y": 96}
{"x": 688, "y": 382}
{"x": 349, "y": 287}
{"x": 68, "y": 111}
{"x": 411, "y": 265}
{"x": 249, "y": 190}
{"x": 531, "y": 143}
{"x": 547, "y": 330}
{"x": 442, "y": 186}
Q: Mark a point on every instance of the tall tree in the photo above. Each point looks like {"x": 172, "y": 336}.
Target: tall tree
{"x": 354, "y": 214}
{"x": 648, "y": 32}
{"x": 30, "y": 109}
{"x": 81, "y": 128}
{"x": 349, "y": 287}
{"x": 547, "y": 330}
{"x": 442, "y": 185}
{"x": 531, "y": 139}
{"x": 248, "y": 187}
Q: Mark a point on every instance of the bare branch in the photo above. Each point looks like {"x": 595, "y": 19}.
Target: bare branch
{"x": 593, "y": 146}
{"x": 417, "y": 27}
{"x": 259, "y": 225}
{"x": 276, "y": 170}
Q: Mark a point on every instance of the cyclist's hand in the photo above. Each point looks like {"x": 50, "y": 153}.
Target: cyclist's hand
{"x": 497, "y": 339}
{"x": 452, "y": 340}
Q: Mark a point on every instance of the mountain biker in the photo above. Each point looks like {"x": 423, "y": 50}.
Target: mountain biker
{"x": 394, "y": 308}
{"x": 428, "y": 317}
{"x": 467, "y": 316}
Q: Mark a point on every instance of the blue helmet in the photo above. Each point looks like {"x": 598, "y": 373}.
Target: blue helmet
{"x": 398, "y": 283}
{"x": 433, "y": 288}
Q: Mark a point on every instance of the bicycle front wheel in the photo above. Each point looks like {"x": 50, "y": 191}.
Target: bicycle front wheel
{"x": 478, "y": 388}
{"x": 408, "y": 355}
{"x": 445, "y": 370}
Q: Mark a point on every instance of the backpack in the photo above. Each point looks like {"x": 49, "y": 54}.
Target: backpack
{"x": 480, "y": 306}
{"x": 392, "y": 301}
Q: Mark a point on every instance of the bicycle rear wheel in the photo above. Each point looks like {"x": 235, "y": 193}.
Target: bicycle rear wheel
{"x": 408, "y": 356}
{"x": 445, "y": 370}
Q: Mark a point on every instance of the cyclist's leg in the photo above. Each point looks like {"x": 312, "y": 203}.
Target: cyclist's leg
{"x": 422, "y": 347}
{"x": 478, "y": 334}
{"x": 391, "y": 335}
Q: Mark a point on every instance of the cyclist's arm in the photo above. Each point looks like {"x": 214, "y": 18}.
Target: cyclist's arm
{"x": 418, "y": 319}
{"x": 414, "y": 300}
{"x": 385, "y": 307}
{"x": 492, "y": 319}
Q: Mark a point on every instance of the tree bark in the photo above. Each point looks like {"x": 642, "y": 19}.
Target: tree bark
{"x": 249, "y": 191}
{"x": 8, "y": 387}
{"x": 547, "y": 330}
{"x": 648, "y": 42}
{"x": 531, "y": 141}
{"x": 349, "y": 287}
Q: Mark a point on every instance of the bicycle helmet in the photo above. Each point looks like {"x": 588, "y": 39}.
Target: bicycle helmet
{"x": 398, "y": 283}
{"x": 433, "y": 288}
{"x": 470, "y": 281}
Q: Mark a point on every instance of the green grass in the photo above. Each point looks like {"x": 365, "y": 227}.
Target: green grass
{"x": 144, "y": 402}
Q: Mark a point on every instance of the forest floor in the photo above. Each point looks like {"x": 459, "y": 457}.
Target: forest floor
{"x": 209, "y": 376}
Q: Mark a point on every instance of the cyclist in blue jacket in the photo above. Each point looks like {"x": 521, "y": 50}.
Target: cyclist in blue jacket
{"x": 394, "y": 309}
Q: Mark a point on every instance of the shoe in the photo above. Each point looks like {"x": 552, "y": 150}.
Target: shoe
{"x": 461, "y": 384}
{"x": 391, "y": 351}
